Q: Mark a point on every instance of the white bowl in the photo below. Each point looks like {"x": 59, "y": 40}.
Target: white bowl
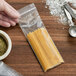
{"x": 9, "y": 44}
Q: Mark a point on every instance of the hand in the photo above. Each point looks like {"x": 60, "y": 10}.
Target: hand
{"x": 8, "y": 15}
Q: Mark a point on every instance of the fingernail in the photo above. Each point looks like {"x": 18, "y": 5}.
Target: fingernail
{"x": 17, "y": 14}
{"x": 8, "y": 25}
{"x": 14, "y": 24}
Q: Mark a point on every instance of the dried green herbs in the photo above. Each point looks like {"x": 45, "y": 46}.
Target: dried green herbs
{"x": 3, "y": 46}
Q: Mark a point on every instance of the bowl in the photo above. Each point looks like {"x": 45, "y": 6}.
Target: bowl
{"x": 8, "y": 42}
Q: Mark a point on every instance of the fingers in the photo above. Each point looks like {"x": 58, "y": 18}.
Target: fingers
{"x": 15, "y": 20}
{"x": 10, "y": 11}
{"x": 12, "y": 22}
{"x": 4, "y": 18}
{"x": 4, "y": 24}
{"x": 8, "y": 15}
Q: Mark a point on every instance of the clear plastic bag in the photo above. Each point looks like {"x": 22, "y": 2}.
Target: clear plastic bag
{"x": 30, "y": 19}
{"x": 5, "y": 70}
{"x": 38, "y": 37}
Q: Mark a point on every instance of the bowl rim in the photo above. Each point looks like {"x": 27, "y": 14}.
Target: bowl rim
{"x": 9, "y": 45}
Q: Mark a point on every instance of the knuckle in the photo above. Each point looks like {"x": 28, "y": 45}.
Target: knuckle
{"x": 2, "y": 17}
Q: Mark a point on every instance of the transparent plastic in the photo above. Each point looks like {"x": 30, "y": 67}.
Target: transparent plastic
{"x": 38, "y": 37}
{"x": 30, "y": 19}
{"x": 5, "y": 70}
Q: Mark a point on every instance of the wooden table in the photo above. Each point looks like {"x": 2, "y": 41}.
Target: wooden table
{"x": 22, "y": 58}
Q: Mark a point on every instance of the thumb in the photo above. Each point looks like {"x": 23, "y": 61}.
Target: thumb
{"x": 10, "y": 11}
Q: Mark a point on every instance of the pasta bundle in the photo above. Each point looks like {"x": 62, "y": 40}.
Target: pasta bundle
{"x": 44, "y": 48}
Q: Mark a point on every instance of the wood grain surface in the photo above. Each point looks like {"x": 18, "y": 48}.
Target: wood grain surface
{"x": 22, "y": 58}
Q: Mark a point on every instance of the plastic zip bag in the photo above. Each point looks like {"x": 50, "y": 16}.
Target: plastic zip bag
{"x": 38, "y": 37}
{"x": 5, "y": 70}
{"x": 30, "y": 19}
